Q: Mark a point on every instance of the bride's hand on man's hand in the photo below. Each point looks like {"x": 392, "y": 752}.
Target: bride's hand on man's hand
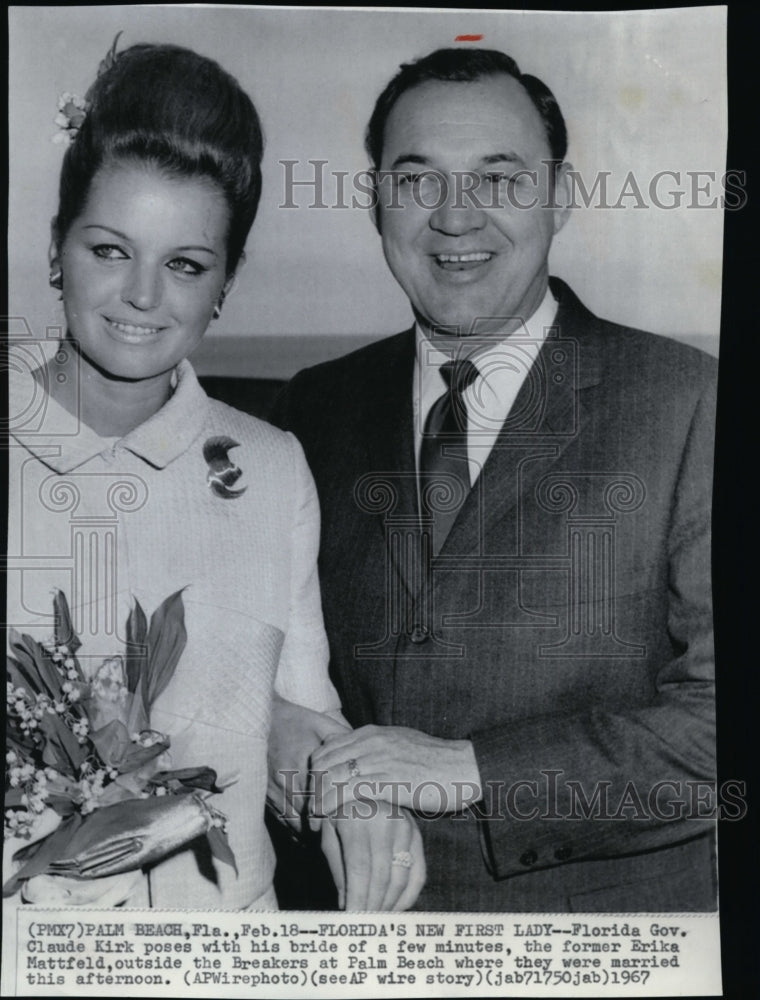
{"x": 377, "y": 861}
{"x": 375, "y": 855}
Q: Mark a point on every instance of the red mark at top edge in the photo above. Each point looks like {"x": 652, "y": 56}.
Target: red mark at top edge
{"x": 468, "y": 38}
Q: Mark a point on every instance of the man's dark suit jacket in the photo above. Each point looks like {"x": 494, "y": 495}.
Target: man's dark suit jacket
{"x": 566, "y": 625}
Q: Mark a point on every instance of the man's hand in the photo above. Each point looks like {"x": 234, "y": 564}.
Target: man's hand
{"x": 403, "y": 766}
{"x": 295, "y": 732}
{"x": 375, "y": 857}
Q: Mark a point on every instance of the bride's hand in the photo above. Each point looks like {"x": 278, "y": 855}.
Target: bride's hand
{"x": 58, "y": 890}
{"x": 295, "y": 734}
{"x": 375, "y": 855}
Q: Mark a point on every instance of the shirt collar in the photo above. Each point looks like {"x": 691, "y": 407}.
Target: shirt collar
{"x": 61, "y": 441}
{"x": 527, "y": 339}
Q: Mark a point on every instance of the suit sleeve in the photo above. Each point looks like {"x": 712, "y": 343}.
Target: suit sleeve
{"x": 280, "y": 414}
{"x": 564, "y": 787}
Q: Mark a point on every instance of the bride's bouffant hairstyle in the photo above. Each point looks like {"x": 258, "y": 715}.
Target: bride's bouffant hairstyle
{"x": 178, "y": 111}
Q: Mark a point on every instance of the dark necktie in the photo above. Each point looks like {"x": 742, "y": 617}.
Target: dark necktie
{"x": 444, "y": 452}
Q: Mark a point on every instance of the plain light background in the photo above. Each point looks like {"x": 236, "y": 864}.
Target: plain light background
{"x": 641, "y": 91}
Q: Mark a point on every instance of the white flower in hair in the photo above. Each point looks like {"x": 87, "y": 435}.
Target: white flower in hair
{"x": 72, "y": 111}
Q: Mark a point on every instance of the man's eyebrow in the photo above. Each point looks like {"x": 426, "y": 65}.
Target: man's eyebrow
{"x": 409, "y": 158}
{"x": 502, "y": 158}
{"x": 485, "y": 160}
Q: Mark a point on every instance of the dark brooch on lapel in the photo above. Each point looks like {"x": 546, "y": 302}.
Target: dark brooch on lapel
{"x": 222, "y": 472}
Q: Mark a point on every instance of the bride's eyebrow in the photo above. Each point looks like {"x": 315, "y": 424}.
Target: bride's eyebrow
{"x": 107, "y": 229}
{"x": 123, "y": 236}
{"x": 197, "y": 247}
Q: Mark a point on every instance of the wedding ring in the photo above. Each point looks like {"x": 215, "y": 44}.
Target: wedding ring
{"x": 402, "y": 858}
{"x": 353, "y": 768}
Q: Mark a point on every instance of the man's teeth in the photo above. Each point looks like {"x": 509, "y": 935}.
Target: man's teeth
{"x": 134, "y": 330}
{"x": 462, "y": 258}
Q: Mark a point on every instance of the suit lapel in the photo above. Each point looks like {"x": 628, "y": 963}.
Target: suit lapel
{"x": 389, "y": 458}
{"x": 547, "y": 416}
{"x": 388, "y": 418}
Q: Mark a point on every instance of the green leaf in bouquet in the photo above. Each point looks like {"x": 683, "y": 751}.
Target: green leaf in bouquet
{"x": 39, "y": 671}
{"x": 13, "y": 797}
{"x": 53, "y": 756}
{"x": 62, "y": 750}
{"x": 112, "y": 742}
{"x": 188, "y": 777}
{"x": 117, "y": 749}
{"x": 137, "y": 716}
{"x": 18, "y": 677}
{"x": 220, "y": 847}
{"x": 64, "y": 629}
{"x": 166, "y": 641}
{"x": 137, "y": 648}
{"x": 19, "y": 742}
{"x": 64, "y": 792}
{"x": 62, "y": 804}
{"x": 137, "y": 757}
{"x": 120, "y": 790}
{"x": 39, "y": 855}
{"x": 130, "y": 784}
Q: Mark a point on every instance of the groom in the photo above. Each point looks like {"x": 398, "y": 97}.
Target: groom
{"x": 515, "y": 556}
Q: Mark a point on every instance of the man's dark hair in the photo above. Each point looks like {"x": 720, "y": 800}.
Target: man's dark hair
{"x": 465, "y": 66}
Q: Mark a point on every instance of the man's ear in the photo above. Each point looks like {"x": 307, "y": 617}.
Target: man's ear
{"x": 562, "y": 191}
{"x": 375, "y": 206}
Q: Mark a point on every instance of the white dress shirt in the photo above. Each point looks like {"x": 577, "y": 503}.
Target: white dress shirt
{"x": 503, "y": 365}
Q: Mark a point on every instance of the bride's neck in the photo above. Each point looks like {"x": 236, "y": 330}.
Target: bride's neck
{"x": 112, "y": 407}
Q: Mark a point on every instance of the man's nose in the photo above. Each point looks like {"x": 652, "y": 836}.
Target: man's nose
{"x": 457, "y": 210}
{"x": 142, "y": 287}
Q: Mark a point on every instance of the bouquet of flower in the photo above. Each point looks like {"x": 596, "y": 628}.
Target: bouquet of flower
{"x": 86, "y": 749}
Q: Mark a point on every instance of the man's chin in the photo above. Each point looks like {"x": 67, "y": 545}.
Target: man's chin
{"x": 461, "y": 327}
{"x": 448, "y": 323}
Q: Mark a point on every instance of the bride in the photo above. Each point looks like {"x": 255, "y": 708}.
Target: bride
{"x": 128, "y": 483}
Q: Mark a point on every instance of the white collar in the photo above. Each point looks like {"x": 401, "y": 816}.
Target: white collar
{"x": 63, "y": 442}
{"x": 503, "y": 365}
{"x": 531, "y": 331}
{"x": 502, "y": 362}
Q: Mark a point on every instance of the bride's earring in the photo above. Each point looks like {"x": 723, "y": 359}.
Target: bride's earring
{"x": 218, "y": 307}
